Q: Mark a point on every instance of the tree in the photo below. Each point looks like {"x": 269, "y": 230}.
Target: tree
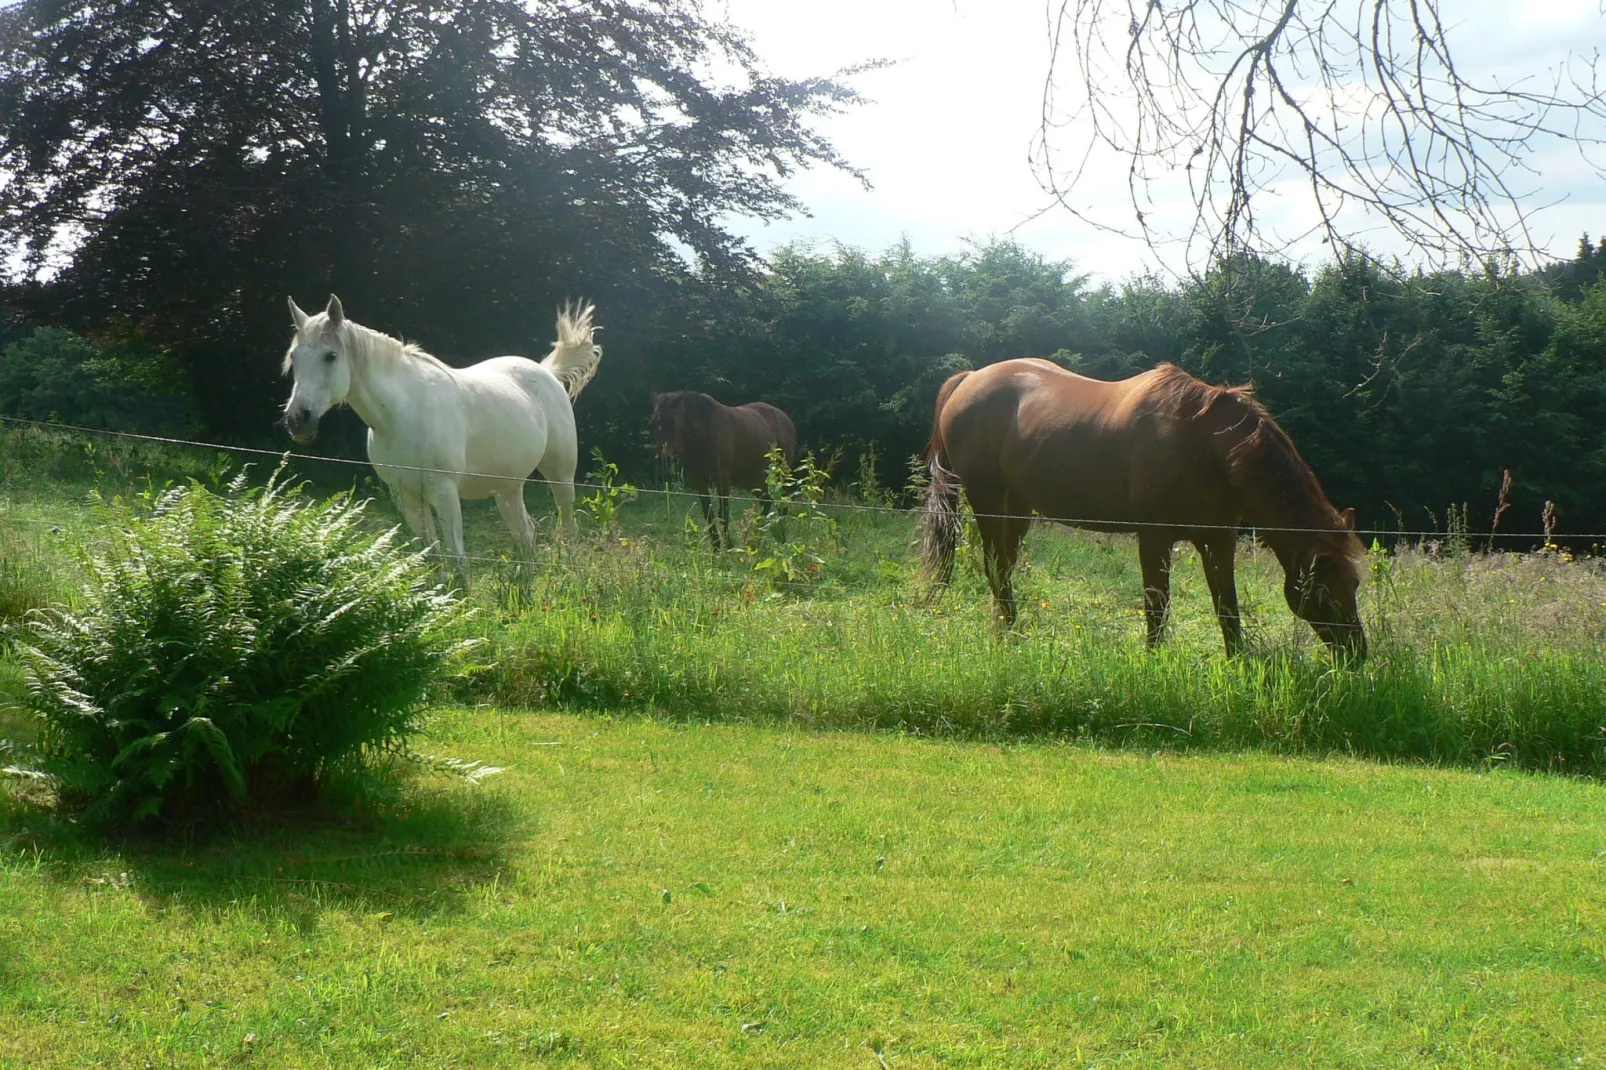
{"x": 52, "y": 374}
{"x": 452, "y": 168}
{"x": 1356, "y": 110}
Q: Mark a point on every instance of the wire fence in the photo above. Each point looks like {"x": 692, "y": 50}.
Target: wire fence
{"x": 1091, "y": 523}
{"x": 673, "y": 572}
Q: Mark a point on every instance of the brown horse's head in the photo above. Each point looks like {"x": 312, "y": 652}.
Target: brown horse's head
{"x": 1320, "y": 583}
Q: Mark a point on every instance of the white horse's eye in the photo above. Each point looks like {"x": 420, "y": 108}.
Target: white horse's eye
{"x": 329, "y": 357}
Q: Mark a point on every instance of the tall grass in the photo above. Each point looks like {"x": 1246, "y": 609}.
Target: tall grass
{"x": 1477, "y": 658}
{"x": 30, "y": 574}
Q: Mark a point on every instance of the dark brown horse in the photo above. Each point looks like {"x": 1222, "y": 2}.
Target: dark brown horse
{"x": 721, "y": 446}
{"x": 1160, "y": 454}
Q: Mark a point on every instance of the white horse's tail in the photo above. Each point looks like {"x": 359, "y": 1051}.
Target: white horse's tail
{"x": 574, "y": 357}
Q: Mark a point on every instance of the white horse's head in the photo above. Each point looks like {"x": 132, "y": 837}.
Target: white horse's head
{"x": 320, "y": 359}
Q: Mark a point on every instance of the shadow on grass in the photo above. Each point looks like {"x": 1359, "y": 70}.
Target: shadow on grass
{"x": 406, "y": 846}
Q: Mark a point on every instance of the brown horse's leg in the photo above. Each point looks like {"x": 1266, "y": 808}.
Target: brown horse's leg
{"x": 1217, "y": 554}
{"x": 1154, "y": 553}
{"x": 1000, "y": 544}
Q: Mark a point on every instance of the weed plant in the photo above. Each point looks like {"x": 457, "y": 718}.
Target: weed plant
{"x": 229, "y": 652}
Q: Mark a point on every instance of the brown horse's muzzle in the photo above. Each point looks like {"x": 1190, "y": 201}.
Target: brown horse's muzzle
{"x": 1347, "y": 641}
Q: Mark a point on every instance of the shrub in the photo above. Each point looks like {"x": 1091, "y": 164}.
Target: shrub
{"x": 230, "y": 652}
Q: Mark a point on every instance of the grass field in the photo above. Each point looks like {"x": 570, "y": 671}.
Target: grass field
{"x": 633, "y": 893}
{"x": 756, "y": 822}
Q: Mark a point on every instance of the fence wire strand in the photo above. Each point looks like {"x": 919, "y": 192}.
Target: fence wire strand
{"x": 1092, "y": 524}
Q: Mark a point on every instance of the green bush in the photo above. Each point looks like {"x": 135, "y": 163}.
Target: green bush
{"x": 230, "y": 652}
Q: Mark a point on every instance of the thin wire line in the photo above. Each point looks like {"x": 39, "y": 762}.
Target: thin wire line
{"x": 1092, "y": 524}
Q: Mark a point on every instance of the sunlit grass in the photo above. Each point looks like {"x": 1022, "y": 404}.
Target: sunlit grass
{"x": 1475, "y": 658}
{"x": 648, "y": 894}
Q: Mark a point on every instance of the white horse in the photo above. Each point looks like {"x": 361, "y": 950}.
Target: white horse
{"x": 438, "y": 434}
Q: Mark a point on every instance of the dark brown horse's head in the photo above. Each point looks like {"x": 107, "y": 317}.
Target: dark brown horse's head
{"x": 668, "y": 420}
{"x": 680, "y": 419}
{"x": 1320, "y": 585}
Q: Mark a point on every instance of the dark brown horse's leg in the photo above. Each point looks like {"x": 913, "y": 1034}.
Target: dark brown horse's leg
{"x": 1217, "y": 554}
{"x": 1154, "y": 553}
{"x": 1000, "y": 544}
{"x": 708, "y": 518}
{"x": 725, "y": 511}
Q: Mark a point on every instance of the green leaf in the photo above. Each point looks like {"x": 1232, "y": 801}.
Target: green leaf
{"x": 218, "y": 745}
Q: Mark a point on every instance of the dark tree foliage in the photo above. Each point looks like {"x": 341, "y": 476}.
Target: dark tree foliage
{"x": 455, "y": 168}
{"x": 52, "y": 374}
{"x": 452, "y": 168}
{"x": 1409, "y": 394}
{"x": 854, "y": 347}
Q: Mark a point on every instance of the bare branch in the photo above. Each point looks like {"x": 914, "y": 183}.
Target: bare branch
{"x": 1272, "y": 120}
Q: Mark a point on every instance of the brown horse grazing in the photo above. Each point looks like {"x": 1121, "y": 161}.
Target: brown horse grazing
{"x": 721, "y": 446}
{"x": 1160, "y": 454}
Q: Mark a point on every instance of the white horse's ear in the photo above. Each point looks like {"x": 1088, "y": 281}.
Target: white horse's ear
{"x": 298, "y": 317}
{"x": 334, "y": 311}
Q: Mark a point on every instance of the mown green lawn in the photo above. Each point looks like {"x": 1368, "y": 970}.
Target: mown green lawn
{"x": 632, "y": 893}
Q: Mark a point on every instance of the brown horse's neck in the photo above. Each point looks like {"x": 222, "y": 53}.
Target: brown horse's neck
{"x": 1274, "y": 486}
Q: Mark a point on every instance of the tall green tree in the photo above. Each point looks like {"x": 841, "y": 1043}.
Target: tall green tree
{"x": 452, "y": 168}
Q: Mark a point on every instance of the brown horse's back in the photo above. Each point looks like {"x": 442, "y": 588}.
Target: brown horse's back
{"x": 1028, "y": 436}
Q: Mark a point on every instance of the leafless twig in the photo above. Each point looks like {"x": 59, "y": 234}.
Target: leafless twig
{"x": 1351, "y": 117}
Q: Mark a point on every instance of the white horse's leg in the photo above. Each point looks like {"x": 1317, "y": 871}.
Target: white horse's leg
{"x": 422, "y": 520}
{"x": 416, "y": 513}
{"x": 510, "y": 503}
{"x": 443, "y": 497}
{"x": 559, "y": 471}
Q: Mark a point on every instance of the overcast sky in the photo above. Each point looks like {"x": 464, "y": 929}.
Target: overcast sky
{"x": 946, "y": 135}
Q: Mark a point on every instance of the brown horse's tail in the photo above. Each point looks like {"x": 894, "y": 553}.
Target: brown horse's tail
{"x": 939, "y": 521}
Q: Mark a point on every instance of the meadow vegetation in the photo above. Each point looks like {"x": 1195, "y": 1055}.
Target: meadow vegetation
{"x": 633, "y": 892}
{"x": 817, "y": 620}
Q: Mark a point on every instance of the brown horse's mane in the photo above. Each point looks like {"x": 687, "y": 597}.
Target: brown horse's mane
{"x": 1263, "y": 465}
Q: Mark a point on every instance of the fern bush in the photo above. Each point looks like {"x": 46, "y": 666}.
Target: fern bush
{"x": 230, "y": 652}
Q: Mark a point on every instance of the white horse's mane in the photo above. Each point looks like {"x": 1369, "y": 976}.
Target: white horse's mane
{"x": 370, "y": 344}
{"x": 363, "y": 344}
{"x": 573, "y": 360}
